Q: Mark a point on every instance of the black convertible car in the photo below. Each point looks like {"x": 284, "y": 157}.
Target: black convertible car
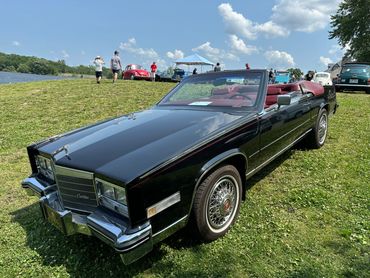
{"x": 134, "y": 180}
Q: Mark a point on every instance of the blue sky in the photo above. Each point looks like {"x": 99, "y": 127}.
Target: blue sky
{"x": 268, "y": 33}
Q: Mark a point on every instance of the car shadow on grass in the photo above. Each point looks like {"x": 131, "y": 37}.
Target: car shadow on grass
{"x": 84, "y": 256}
{"x": 81, "y": 256}
{"x": 87, "y": 256}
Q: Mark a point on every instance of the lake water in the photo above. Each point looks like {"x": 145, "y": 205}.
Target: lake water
{"x": 15, "y": 77}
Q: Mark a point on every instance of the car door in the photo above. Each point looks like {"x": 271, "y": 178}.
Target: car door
{"x": 281, "y": 126}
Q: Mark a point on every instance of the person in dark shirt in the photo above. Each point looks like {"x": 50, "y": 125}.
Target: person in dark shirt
{"x": 271, "y": 76}
{"x": 217, "y": 67}
{"x": 195, "y": 71}
{"x": 309, "y": 75}
{"x": 115, "y": 65}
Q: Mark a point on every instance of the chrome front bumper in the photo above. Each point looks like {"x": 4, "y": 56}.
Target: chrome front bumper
{"x": 354, "y": 85}
{"x": 131, "y": 242}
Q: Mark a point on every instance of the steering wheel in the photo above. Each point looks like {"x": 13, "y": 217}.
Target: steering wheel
{"x": 241, "y": 95}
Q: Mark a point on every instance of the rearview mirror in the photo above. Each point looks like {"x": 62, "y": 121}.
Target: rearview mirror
{"x": 283, "y": 100}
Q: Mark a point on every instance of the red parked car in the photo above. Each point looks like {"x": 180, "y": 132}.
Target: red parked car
{"x": 135, "y": 72}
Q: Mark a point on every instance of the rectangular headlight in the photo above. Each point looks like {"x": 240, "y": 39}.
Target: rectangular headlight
{"x": 44, "y": 166}
{"x": 111, "y": 191}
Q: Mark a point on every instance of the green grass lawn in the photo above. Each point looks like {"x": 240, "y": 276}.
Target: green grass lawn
{"x": 306, "y": 214}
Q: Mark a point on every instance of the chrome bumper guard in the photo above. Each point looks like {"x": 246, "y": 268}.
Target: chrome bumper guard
{"x": 131, "y": 243}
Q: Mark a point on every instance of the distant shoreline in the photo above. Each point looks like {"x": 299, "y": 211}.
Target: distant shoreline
{"x": 16, "y": 77}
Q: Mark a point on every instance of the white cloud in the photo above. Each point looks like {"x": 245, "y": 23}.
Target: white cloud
{"x": 238, "y": 45}
{"x": 279, "y": 59}
{"x": 16, "y": 43}
{"x": 271, "y": 29}
{"x": 287, "y": 16}
{"x": 325, "y": 60}
{"x": 236, "y": 23}
{"x": 215, "y": 54}
{"x": 177, "y": 54}
{"x": 144, "y": 56}
{"x": 65, "y": 55}
{"x": 207, "y": 48}
{"x": 130, "y": 46}
{"x": 304, "y": 16}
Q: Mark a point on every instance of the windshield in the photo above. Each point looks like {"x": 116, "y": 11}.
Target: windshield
{"x": 356, "y": 69}
{"x": 321, "y": 75}
{"x": 135, "y": 67}
{"x": 228, "y": 89}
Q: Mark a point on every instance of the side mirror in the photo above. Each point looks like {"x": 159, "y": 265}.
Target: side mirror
{"x": 283, "y": 100}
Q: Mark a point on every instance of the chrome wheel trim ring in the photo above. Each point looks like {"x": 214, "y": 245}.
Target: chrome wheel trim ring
{"x": 323, "y": 128}
{"x": 222, "y": 203}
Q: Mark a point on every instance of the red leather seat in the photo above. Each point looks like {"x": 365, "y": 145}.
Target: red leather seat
{"x": 273, "y": 90}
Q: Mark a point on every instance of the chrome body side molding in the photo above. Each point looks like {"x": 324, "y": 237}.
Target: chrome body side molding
{"x": 255, "y": 170}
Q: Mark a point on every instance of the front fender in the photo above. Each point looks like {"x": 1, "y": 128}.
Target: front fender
{"x": 232, "y": 155}
{"x": 217, "y": 160}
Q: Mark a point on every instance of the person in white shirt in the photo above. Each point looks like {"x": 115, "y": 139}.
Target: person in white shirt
{"x": 98, "y": 63}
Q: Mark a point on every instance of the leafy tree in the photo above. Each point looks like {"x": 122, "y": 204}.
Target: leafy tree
{"x": 61, "y": 66}
{"x": 351, "y": 26}
{"x": 107, "y": 73}
{"x": 23, "y": 68}
{"x": 297, "y": 72}
{"x": 9, "y": 68}
{"x": 41, "y": 67}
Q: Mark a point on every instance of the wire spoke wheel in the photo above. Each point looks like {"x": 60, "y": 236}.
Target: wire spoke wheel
{"x": 322, "y": 128}
{"x": 221, "y": 202}
{"x": 217, "y": 202}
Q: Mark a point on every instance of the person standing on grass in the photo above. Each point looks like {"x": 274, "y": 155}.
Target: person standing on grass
{"x": 217, "y": 67}
{"x": 98, "y": 63}
{"x": 115, "y": 65}
{"x": 153, "y": 70}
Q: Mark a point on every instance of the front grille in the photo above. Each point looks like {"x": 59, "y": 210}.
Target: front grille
{"x": 76, "y": 189}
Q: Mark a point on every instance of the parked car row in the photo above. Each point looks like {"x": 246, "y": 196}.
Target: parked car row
{"x": 353, "y": 76}
{"x": 175, "y": 75}
{"x": 137, "y": 72}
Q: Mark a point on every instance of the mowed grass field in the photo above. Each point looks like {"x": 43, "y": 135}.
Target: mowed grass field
{"x": 305, "y": 215}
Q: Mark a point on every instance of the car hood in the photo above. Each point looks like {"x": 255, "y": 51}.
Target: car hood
{"x": 129, "y": 146}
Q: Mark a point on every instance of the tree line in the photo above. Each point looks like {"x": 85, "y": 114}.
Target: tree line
{"x": 351, "y": 27}
{"x": 35, "y": 65}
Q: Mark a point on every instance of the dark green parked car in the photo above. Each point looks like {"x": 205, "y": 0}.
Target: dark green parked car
{"x": 354, "y": 77}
